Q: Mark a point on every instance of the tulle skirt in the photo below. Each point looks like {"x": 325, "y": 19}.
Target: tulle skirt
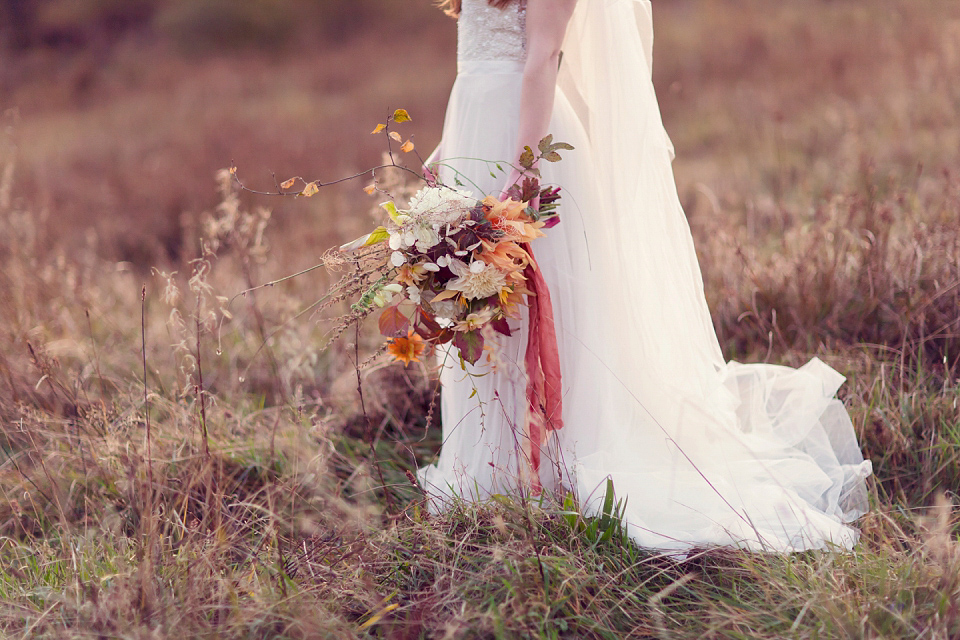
{"x": 701, "y": 451}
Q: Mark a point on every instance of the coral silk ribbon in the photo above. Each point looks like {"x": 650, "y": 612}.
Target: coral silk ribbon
{"x": 542, "y": 362}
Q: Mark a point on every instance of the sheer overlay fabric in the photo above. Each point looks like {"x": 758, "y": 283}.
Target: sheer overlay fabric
{"x": 703, "y": 451}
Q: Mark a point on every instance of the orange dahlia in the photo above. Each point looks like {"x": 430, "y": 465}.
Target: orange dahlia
{"x": 408, "y": 349}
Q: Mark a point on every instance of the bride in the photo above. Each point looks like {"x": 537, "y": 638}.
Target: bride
{"x": 704, "y": 452}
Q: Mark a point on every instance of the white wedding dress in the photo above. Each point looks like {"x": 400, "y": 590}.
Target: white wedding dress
{"x": 704, "y": 452}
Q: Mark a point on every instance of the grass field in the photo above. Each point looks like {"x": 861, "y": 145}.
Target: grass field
{"x": 165, "y": 474}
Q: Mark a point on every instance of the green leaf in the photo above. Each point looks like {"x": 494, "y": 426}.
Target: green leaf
{"x": 376, "y": 236}
{"x": 608, "y": 499}
{"x": 391, "y": 210}
{"x": 608, "y": 533}
{"x": 569, "y": 512}
{"x": 591, "y": 531}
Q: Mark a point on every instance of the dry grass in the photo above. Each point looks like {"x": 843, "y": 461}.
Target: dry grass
{"x": 817, "y": 160}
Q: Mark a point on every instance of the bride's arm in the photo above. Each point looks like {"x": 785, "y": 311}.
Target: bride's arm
{"x": 547, "y": 22}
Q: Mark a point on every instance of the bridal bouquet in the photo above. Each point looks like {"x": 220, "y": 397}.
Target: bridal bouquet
{"x": 451, "y": 268}
{"x": 455, "y": 267}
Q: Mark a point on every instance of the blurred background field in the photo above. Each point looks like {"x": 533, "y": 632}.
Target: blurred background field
{"x": 818, "y": 161}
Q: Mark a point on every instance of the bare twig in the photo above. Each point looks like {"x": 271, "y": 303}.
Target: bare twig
{"x": 200, "y": 389}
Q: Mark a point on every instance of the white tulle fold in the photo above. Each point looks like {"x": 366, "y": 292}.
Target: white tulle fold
{"x": 704, "y": 452}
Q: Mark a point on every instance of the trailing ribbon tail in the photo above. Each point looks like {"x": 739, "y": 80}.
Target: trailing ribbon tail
{"x": 542, "y": 363}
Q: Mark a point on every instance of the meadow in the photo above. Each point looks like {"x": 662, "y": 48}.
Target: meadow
{"x": 186, "y": 452}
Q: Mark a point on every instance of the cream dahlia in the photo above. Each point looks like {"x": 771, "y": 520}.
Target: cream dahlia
{"x": 477, "y": 281}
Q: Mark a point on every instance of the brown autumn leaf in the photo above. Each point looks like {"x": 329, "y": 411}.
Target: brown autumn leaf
{"x": 369, "y": 189}
{"x": 396, "y": 136}
{"x": 393, "y": 323}
{"x": 544, "y": 145}
{"x": 527, "y": 158}
{"x": 286, "y": 184}
{"x": 380, "y": 127}
{"x": 470, "y": 344}
{"x": 407, "y": 146}
{"x": 310, "y": 189}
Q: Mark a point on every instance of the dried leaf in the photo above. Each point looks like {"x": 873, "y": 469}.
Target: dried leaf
{"x": 233, "y": 171}
{"x": 501, "y": 326}
{"x": 401, "y": 115}
{"x": 544, "y": 145}
{"x": 396, "y": 136}
{"x": 286, "y": 184}
{"x": 380, "y": 127}
{"x": 310, "y": 189}
{"x": 369, "y": 189}
{"x": 407, "y": 146}
{"x": 470, "y": 344}
{"x": 445, "y": 295}
{"x": 427, "y": 328}
{"x": 552, "y": 156}
{"x": 527, "y": 158}
{"x": 393, "y": 323}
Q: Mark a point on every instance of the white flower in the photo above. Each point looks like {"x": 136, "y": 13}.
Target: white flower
{"x": 429, "y": 266}
{"x": 459, "y": 267}
{"x": 478, "y": 281}
{"x": 445, "y": 308}
{"x": 385, "y": 295}
{"x": 441, "y": 205}
{"x": 396, "y": 240}
{"x": 426, "y": 238}
{"x": 443, "y": 261}
{"x": 413, "y": 293}
{"x": 397, "y": 259}
{"x": 475, "y": 321}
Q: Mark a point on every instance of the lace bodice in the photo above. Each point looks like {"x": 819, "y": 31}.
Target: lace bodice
{"x": 488, "y": 33}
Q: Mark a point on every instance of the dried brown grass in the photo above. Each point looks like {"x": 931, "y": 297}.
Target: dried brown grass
{"x": 800, "y": 130}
